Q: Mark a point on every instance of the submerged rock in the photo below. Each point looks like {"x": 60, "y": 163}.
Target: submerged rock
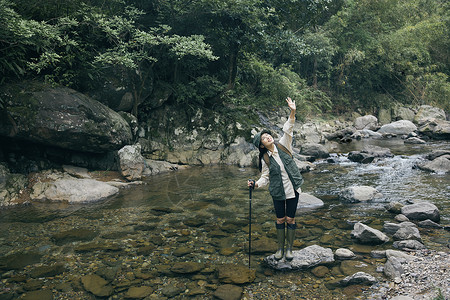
{"x": 229, "y": 292}
{"x": 235, "y": 274}
{"x": 303, "y": 259}
{"x": 97, "y": 285}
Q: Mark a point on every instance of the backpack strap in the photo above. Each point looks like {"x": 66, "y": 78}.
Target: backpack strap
{"x": 282, "y": 148}
{"x": 266, "y": 159}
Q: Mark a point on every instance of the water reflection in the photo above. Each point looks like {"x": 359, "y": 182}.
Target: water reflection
{"x": 201, "y": 214}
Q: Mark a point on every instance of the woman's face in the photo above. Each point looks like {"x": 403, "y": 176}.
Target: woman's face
{"x": 266, "y": 140}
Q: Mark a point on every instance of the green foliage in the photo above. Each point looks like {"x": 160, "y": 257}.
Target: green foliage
{"x": 269, "y": 87}
{"x": 330, "y": 56}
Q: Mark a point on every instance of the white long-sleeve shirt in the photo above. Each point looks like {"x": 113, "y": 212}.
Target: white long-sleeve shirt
{"x": 286, "y": 141}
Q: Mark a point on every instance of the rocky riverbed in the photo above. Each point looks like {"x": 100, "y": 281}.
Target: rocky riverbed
{"x": 426, "y": 276}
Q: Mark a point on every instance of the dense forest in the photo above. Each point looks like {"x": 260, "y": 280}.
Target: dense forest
{"x": 332, "y": 56}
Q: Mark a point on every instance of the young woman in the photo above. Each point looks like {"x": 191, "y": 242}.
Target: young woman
{"x": 279, "y": 171}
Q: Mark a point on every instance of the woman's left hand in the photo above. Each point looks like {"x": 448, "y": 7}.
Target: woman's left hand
{"x": 291, "y": 103}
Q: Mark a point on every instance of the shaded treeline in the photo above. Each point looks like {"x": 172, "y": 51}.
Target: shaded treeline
{"x": 332, "y": 56}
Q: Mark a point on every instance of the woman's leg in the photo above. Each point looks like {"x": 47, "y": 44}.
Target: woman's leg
{"x": 280, "y": 226}
{"x": 291, "y": 209}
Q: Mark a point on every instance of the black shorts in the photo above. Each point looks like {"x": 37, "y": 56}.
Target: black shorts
{"x": 286, "y": 207}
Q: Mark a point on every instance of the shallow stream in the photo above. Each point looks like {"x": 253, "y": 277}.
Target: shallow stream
{"x": 201, "y": 215}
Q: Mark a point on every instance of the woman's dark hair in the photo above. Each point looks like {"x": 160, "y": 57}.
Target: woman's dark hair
{"x": 262, "y": 151}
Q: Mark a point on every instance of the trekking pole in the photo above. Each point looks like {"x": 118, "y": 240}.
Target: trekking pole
{"x": 250, "y": 188}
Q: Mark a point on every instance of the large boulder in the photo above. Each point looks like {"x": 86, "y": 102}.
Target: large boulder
{"x": 367, "y": 235}
{"x": 427, "y": 112}
{"x": 403, "y": 113}
{"x": 399, "y": 128}
{"x": 62, "y": 117}
{"x": 435, "y": 128}
{"x": 314, "y": 150}
{"x": 73, "y": 190}
{"x": 421, "y": 211}
{"x": 366, "y": 122}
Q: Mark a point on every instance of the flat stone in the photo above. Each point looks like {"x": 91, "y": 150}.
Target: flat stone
{"x": 47, "y": 271}
{"x": 138, "y": 292}
{"x": 228, "y": 292}
{"x": 97, "y": 285}
{"x": 186, "y": 267}
{"x": 235, "y": 274}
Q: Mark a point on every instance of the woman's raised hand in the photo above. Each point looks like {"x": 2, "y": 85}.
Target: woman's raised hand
{"x": 291, "y": 104}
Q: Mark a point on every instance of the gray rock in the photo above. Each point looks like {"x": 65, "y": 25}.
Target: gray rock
{"x": 392, "y": 228}
{"x": 384, "y": 116}
{"x": 399, "y": 255}
{"x": 393, "y": 268}
{"x": 343, "y": 254}
{"x": 407, "y": 233}
{"x": 365, "y": 133}
{"x": 394, "y": 207}
{"x": 314, "y": 150}
{"x": 356, "y": 194}
{"x": 439, "y": 165}
{"x": 429, "y": 224}
{"x": 366, "y": 122}
{"x": 367, "y": 235}
{"x": 403, "y": 113}
{"x": 154, "y": 167}
{"x": 401, "y": 218}
{"x": 427, "y": 112}
{"x": 414, "y": 140}
{"x": 74, "y": 190}
{"x": 421, "y": 211}
{"x": 358, "y": 278}
{"x": 131, "y": 162}
{"x": 399, "y": 128}
{"x": 77, "y": 172}
{"x": 303, "y": 259}
{"x": 436, "y": 129}
{"x": 64, "y": 118}
{"x": 408, "y": 245}
{"x": 378, "y": 253}
{"x": 307, "y": 201}
{"x": 436, "y": 153}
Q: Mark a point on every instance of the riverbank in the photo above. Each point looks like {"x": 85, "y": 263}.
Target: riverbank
{"x": 425, "y": 277}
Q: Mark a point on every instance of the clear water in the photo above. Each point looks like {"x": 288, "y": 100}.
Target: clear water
{"x": 187, "y": 208}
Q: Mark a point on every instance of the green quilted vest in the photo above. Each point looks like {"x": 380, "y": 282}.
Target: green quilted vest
{"x": 276, "y": 188}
